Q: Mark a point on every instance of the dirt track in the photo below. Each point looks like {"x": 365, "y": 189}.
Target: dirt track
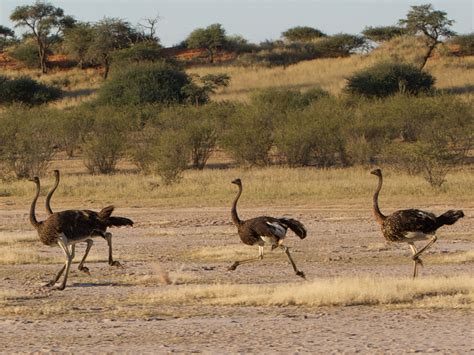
{"x": 92, "y": 314}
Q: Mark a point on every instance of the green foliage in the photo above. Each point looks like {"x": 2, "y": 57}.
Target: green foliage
{"x": 27, "y": 53}
{"x": 145, "y": 83}
{"x": 433, "y": 25}
{"x": 281, "y": 100}
{"x": 110, "y": 34}
{"x": 77, "y": 41}
{"x": 302, "y": 34}
{"x": 465, "y": 43}
{"x": 248, "y": 137}
{"x": 383, "y": 33}
{"x": 340, "y": 45}
{"x": 41, "y": 19}
{"x": 386, "y": 79}
{"x": 281, "y": 55}
{"x": 7, "y": 37}
{"x": 440, "y": 136}
{"x": 72, "y": 126}
{"x": 139, "y": 53}
{"x": 171, "y": 154}
{"x": 210, "y": 38}
{"x": 27, "y": 91}
{"x": 26, "y": 141}
{"x": 106, "y": 141}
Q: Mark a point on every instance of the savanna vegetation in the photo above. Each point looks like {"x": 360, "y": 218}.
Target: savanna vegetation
{"x": 307, "y": 100}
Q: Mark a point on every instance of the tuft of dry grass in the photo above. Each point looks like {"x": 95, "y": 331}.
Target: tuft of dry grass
{"x": 226, "y": 253}
{"x": 454, "y": 292}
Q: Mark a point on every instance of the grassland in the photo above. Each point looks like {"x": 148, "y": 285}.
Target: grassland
{"x": 270, "y": 185}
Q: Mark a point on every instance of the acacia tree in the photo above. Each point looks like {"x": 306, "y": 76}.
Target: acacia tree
{"x": 302, "y": 34}
{"x": 432, "y": 24}
{"x": 210, "y": 38}
{"x": 45, "y": 22}
{"x": 110, "y": 34}
{"x": 77, "y": 41}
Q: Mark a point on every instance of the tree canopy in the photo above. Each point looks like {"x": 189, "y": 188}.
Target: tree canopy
{"x": 302, "y": 34}
{"x": 44, "y": 21}
{"x": 210, "y": 38}
{"x": 431, "y": 23}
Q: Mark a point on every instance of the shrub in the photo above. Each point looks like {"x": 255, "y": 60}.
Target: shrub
{"x": 340, "y": 45}
{"x": 145, "y": 83}
{"x": 26, "y": 141}
{"x": 386, "y": 79}
{"x": 138, "y": 53}
{"x": 383, "y": 33}
{"x": 106, "y": 142}
{"x": 302, "y": 34}
{"x": 27, "y": 91}
{"x": 248, "y": 135}
{"x": 280, "y": 99}
{"x": 26, "y": 53}
{"x": 313, "y": 135}
{"x": 442, "y": 138}
{"x": 465, "y": 43}
{"x": 171, "y": 154}
{"x": 72, "y": 126}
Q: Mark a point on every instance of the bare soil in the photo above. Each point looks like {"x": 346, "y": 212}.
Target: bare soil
{"x": 94, "y": 313}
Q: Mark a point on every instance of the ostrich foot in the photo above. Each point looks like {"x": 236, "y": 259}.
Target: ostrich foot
{"x": 84, "y": 269}
{"x": 233, "y": 267}
{"x": 301, "y": 274}
{"x": 116, "y": 264}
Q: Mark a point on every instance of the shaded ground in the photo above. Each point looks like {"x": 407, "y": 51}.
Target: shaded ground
{"x": 94, "y": 313}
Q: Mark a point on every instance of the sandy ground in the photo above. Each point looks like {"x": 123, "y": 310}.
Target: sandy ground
{"x": 93, "y": 314}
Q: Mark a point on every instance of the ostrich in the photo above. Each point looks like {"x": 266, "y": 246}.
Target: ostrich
{"x": 107, "y": 236}
{"x": 408, "y": 226}
{"x": 66, "y": 228}
{"x": 265, "y": 230}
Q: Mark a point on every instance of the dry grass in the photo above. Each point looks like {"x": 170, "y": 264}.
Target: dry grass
{"x": 277, "y": 186}
{"x": 452, "y": 258}
{"x": 454, "y": 292}
{"x": 331, "y": 74}
{"x": 226, "y": 253}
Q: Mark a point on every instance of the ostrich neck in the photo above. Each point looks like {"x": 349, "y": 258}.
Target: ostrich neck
{"x": 378, "y": 215}
{"x": 235, "y": 217}
{"x": 33, "y": 219}
{"x": 50, "y": 194}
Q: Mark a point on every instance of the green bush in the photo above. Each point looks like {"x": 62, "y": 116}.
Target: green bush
{"x": 383, "y": 33}
{"x": 26, "y": 141}
{"x": 27, "y": 91}
{"x": 107, "y": 140}
{"x": 465, "y": 43}
{"x": 248, "y": 135}
{"x": 171, "y": 155}
{"x": 280, "y": 99}
{"x": 386, "y": 79}
{"x": 145, "y": 83}
{"x": 340, "y": 45}
{"x": 26, "y": 53}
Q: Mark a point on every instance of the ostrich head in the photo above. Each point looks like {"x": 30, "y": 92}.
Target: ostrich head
{"x": 376, "y": 172}
{"x": 56, "y": 173}
{"x": 238, "y": 182}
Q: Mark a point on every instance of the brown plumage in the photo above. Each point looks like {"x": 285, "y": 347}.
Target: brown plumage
{"x": 408, "y": 226}
{"x": 265, "y": 230}
{"x": 66, "y": 228}
{"x": 106, "y": 236}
